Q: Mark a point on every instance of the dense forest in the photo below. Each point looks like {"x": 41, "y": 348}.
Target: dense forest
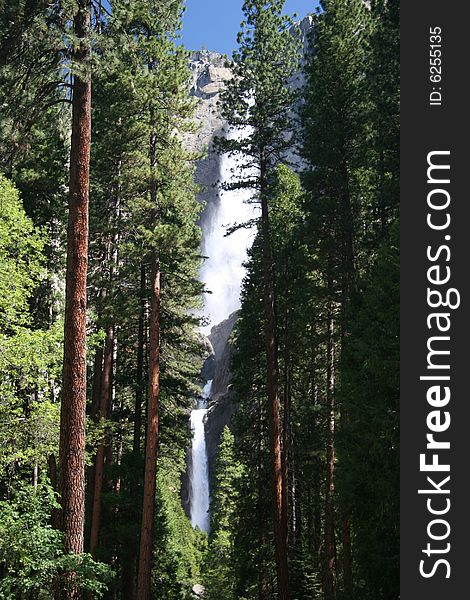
{"x": 101, "y": 348}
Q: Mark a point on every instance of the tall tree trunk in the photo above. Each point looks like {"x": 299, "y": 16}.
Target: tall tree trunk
{"x": 317, "y": 477}
{"x": 140, "y": 368}
{"x": 97, "y": 381}
{"x": 348, "y": 287}
{"x": 274, "y": 418}
{"x": 286, "y": 454}
{"x": 261, "y": 513}
{"x": 72, "y": 417}
{"x": 129, "y": 566}
{"x": 285, "y": 445}
{"x": 144, "y": 575}
{"x": 330, "y": 461}
{"x": 100, "y": 455}
{"x": 148, "y": 509}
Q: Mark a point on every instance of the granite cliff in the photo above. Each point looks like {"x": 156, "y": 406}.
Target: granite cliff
{"x": 208, "y": 76}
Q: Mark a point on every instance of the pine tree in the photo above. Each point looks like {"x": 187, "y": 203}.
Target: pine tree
{"x": 33, "y": 60}
{"x": 370, "y": 393}
{"x": 334, "y": 125}
{"x": 383, "y": 92}
{"x": 72, "y": 436}
{"x": 146, "y": 214}
{"x": 254, "y": 556}
{"x": 258, "y": 97}
{"x": 220, "y": 576}
{"x": 255, "y": 565}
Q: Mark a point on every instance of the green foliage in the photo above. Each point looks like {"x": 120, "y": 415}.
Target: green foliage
{"x": 180, "y": 548}
{"x": 29, "y": 547}
{"x": 383, "y": 90}
{"x": 251, "y": 529}
{"x": 334, "y": 243}
{"x": 21, "y": 246}
{"x": 33, "y": 58}
{"x": 31, "y": 555}
{"x": 29, "y": 358}
{"x": 335, "y": 131}
{"x": 370, "y": 396}
{"x": 219, "y": 576}
{"x": 257, "y": 100}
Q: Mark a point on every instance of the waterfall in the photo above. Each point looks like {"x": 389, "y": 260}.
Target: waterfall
{"x": 223, "y": 269}
{"x": 222, "y": 274}
{"x": 199, "y": 475}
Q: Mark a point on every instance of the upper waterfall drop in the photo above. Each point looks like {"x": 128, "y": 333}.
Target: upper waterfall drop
{"x": 223, "y": 270}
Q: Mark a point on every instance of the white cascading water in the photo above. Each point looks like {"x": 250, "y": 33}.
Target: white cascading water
{"x": 223, "y": 270}
{"x": 222, "y": 275}
{"x": 199, "y": 476}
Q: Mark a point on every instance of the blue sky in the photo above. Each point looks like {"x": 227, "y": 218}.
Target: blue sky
{"x": 214, "y": 23}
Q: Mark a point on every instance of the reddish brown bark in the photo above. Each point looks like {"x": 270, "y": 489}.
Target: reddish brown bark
{"x": 330, "y": 462}
{"x": 72, "y": 418}
{"x": 100, "y": 455}
{"x": 148, "y": 509}
{"x": 274, "y": 401}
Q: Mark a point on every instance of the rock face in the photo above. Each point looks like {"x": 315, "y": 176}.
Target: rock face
{"x": 219, "y": 338}
{"x": 222, "y": 405}
{"x": 305, "y": 29}
{"x": 198, "y": 591}
{"x": 208, "y": 77}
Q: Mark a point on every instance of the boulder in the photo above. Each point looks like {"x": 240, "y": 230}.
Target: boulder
{"x": 198, "y": 590}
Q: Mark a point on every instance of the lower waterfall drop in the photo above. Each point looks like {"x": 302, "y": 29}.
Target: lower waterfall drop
{"x": 199, "y": 474}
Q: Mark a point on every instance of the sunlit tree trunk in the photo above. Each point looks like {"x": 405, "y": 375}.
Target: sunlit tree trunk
{"x": 72, "y": 418}
{"x": 148, "y": 509}
{"x": 330, "y": 461}
{"x": 140, "y": 367}
{"x": 144, "y": 574}
{"x": 274, "y": 400}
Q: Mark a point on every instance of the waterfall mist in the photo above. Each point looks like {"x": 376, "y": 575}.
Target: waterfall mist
{"x": 223, "y": 270}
